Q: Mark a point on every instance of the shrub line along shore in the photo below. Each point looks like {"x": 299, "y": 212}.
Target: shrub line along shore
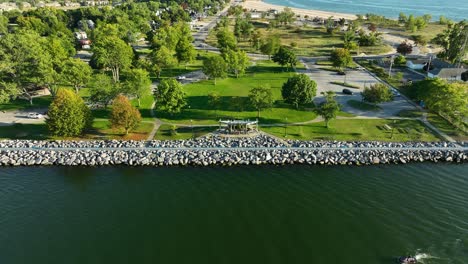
{"x": 225, "y": 151}
{"x": 261, "y": 6}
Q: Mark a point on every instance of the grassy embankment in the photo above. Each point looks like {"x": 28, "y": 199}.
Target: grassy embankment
{"x": 357, "y": 129}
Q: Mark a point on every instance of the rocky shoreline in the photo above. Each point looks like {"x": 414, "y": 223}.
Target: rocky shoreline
{"x": 224, "y": 151}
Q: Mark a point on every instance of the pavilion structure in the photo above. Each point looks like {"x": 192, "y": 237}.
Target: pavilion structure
{"x": 237, "y": 127}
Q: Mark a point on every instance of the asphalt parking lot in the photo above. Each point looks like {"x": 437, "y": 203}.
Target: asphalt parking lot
{"x": 361, "y": 78}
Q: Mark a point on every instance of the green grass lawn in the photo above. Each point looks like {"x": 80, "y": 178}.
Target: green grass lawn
{"x": 304, "y": 41}
{"x": 363, "y": 106}
{"x": 24, "y": 131}
{"x": 444, "y": 126}
{"x": 231, "y": 89}
{"x": 22, "y": 104}
{"x": 103, "y": 130}
{"x": 165, "y": 132}
{"x": 357, "y": 129}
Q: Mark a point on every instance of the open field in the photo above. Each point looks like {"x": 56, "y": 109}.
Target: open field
{"x": 357, "y": 129}
{"x": 165, "y": 132}
{"x": 234, "y": 102}
{"x": 303, "y": 40}
{"x": 444, "y": 126}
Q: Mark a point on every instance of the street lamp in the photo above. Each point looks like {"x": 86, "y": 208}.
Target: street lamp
{"x": 286, "y": 127}
{"x": 391, "y": 64}
{"x": 191, "y": 126}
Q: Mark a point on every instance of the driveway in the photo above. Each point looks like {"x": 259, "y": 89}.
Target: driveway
{"x": 9, "y": 118}
{"x": 360, "y": 78}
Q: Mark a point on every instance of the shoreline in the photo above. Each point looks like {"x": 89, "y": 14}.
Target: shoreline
{"x": 262, "y": 6}
{"x": 219, "y": 151}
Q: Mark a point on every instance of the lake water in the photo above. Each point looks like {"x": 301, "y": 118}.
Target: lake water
{"x": 453, "y": 9}
{"x": 290, "y": 214}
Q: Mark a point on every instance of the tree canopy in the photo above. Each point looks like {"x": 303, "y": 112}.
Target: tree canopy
{"x": 124, "y": 115}
{"x": 377, "y": 93}
{"x": 341, "y": 58}
{"x": 215, "y": 67}
{"x": 299, "y": 90}
{"x": 285, "y": 57}
{"x": 330, "y": 108}
{"x": 261, "y": 97}
{"x": 170, "y": 97}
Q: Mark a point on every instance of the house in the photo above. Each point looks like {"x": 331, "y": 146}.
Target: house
{"x": 255, "y": 15}
{"x": 80, "y": 35}
{"x": 450, "y": 74}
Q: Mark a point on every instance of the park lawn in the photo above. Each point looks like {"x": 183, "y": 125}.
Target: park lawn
{"x": 165, "y": 133}
{"x": 357, "y": 129}
{"x": 22, "y": 104}
{"x": 263, "y": 73}
{"x": 303, "y": 40}
{"x": 102, "y": 130}
{"x": 444, "y": 126}
{"x": 24, "y": 131}
{"x": 429, "y": 33}
{"x": 363, "y": 106}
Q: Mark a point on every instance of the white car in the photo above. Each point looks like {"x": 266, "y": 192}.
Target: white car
{"x": 35, "y": 116}
{"x": 181, "y": 78}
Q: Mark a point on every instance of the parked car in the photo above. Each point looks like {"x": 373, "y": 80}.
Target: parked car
{"x": 347, "y": 91}
{"x": 182, "y": 77}
{"x": 341, "y": 73}
{"x": 360, "y": 68}
{"x": 35, "y": 116}
{"x": 395, "y": 93}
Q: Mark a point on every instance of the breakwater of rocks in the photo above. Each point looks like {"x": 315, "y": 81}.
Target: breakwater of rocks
{"x": 216, "y": 150}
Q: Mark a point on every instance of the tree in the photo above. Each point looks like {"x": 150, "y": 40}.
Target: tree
{"x": 68, "y": 116}
{"x": 298, "y": 90}
{"x": 138, "y": 84}
{"x": 185, "y": 52}
{"x": 114, "y": 53}
{"x": 256, "y": 39}
{"x": 453, "y": 41}
{"x": 3, "y": 24}
{"x": 237, "y": 61}
{"x": 226, "y": 40}
{"x": 77, "y": 73}
{"x": 284, "y": 57}
{"x": 419, "y": 40}
{"x": 123, "y": 114}
{"x": 270, "y": 46}
{"x": 261, "y": 97}
{"x": 330, "y": 108}
{"x": 170, "y": 96}
{"x": 402, "y": 18}
{"x": 400, "y": 60}
{"x": 377, "y": 93}
{"x": 215, "y": 67}
{"x": 287, "y": 16}
{"x": 103, "y": 89}
{"x": 349, "y": 40}
{"x": 341, "y": 58}
{"x": 161, "y": 58}
{"x": 330, "y": 25}
{"x": 8, "y": 91}
{"x": 404, "y": 48}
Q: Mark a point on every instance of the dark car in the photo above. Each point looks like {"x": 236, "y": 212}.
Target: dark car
{"x": 341, "y": 73}
{"x": 347, "y": 91}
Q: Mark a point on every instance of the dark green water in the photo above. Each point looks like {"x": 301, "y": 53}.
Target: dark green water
{"x": 235, "y": 215}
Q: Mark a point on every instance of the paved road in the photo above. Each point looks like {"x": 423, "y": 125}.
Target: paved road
{"x": 9, "y": 118}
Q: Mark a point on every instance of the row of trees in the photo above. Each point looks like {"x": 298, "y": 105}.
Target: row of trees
{"x": 68, "y": 116}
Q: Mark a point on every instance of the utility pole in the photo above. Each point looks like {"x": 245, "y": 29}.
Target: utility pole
{"x": 391, "y": 64}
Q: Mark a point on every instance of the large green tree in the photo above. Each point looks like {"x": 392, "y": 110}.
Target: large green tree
{"x": 161, "y": 59}
{"x": 8, "y": 91}
{"x": 114, "y": 53}
{"x": 184, "y": 50}
{"x": 340, "y": 58}
{"x": 261, "y": 97}
{"x": 215, "y": 67}
{"x": 270, "y": 45}
{"x": 77, "y": 73}
{"x": 330, "y": 108}
{"x": 103, "y": 89}
{"x": 299, "y": 90}
{"x": 170, "y": 96}
{"x": 237, "y": 61}
{"x": 226, "y": 40}
{"x": 285, "y": 57}
{"x": 68, "y": 116}
{"x": 138, "y": 84}
{"x": 453, "y": 41}
{"x": 377, "y": 93}
{"x": 124, "y": 115}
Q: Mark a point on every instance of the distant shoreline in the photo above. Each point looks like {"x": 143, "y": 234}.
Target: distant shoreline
{"x": 263, "y": 6}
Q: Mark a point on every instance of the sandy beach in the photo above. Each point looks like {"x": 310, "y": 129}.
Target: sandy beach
{"x": 262, "y": 6}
